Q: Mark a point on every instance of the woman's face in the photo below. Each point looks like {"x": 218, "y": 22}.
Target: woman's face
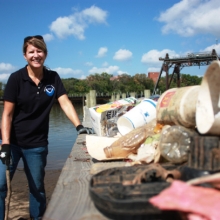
{"x": 35, "y": 57}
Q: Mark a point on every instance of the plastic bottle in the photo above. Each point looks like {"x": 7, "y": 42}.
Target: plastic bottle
{"x": 175, "y": 143}
{"x": 130, "y": 142}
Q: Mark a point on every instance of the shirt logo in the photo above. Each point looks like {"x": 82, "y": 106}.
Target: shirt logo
{"x": 49, "y": 90}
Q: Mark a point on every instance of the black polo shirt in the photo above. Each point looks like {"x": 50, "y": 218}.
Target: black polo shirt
{"x": 33, "y": 103}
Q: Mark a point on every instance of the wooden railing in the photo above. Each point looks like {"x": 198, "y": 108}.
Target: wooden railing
{"x": 92, "y": 99}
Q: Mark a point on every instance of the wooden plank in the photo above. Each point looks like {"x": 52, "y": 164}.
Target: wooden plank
{"x": 70, "y": 199}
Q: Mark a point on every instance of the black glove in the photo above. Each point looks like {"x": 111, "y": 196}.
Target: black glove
{"x": 84, "y": 130}
{"x": 5, "y": 154}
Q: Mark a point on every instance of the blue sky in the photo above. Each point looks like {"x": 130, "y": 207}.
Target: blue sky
{"x": 115, "y": 36}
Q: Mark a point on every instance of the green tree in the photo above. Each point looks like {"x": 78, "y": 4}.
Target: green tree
{"x": 124, "y": 84}
{"x": 100, "y": 82}
{"x": 162, "y": 85}
{"x": 76, "y": 86}
{"x": 185, "y": 80}
{"x": 2, "y": 85}
{"x": 143, "y": 82}
{"x": 188, "y": 80}
{"x": 82, "y": 86}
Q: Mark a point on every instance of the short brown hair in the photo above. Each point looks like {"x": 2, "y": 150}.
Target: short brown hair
{"x": 36, "y": 41}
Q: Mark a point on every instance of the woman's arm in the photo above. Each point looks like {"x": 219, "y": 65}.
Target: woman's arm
{"x": 7, "y": 116}
{"x": 69, "y": 109}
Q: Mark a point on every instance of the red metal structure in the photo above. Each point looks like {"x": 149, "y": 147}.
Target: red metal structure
{"x": 177, "y": 63}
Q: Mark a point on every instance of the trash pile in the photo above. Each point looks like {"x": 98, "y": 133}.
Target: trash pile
{"x": 121, "y": 116}
{"x": 182, "y": 129}
{"x": 167, "y": 127}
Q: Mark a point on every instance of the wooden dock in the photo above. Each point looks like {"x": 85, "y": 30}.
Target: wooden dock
{"x": 70, "y": 199}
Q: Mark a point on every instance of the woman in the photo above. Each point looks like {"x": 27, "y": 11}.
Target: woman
{"x": 28, "y": 98}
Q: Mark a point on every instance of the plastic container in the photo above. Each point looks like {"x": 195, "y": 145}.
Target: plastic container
{"x": 102, "y": 113}
{"x": 129, "y": 143}
{"x": 178, "y": 106}
{"x": 208, "y": 103}
{"x": 138, "y": 116}
{"x": 175, "y": 143}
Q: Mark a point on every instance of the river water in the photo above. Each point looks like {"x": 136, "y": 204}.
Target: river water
{"x": 62, "y": 136}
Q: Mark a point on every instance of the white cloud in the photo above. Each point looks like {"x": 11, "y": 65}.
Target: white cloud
{"x": 67, "y": 71}
{"x": 153, "y": 69}
{"x": 82, "y": 77}
{"x": 105, "y": 64}
{"x": 109, "y": 70}
{"x": 214, "y": 46}
{"x": 94, "y": 15}
{"x": 152, "y": 57}
{"x": 48, "y": 37}
{"x": 123, "y": 55}
{"x": 191, "y": 17}
{"x": 120, "y": 72}
{"x": 102, "y": 52}
{"x": 65, "y": 26}
{"x": 76, "y": 23}
{"x": 4, "y": 77}
{"x": 88, "y": 64}
{"x": 6, "y": 67}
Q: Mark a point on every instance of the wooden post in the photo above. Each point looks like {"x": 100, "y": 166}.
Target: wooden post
{"x": 133, "y": 94}
{"x": 117, "y": 96}
{"x": 113, "y": 98}
{"x": 146, "y": 93}
{"x": 88, "y": 100}
{"x": 123, "y": 95}
{"x": 92, "y": 97}
{"x": 83, "y": 100}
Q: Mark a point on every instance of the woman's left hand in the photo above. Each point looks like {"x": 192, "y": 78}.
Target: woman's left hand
{"x": 84, "y": 130}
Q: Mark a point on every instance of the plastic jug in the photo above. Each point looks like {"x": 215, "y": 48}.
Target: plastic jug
{"x": 175, "y": 143}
